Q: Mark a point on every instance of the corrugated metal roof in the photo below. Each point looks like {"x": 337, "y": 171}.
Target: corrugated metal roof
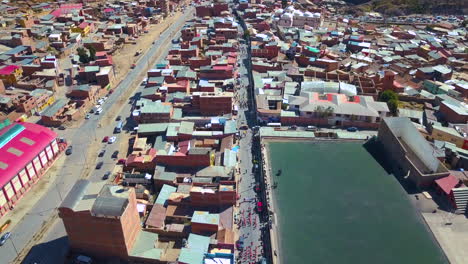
{"x": 75, "y": 194}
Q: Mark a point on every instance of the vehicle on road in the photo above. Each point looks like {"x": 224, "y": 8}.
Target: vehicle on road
{"x": 61, "y": 128}
{"x": 118, "y": 127}
{"x": 352, "y": 129}
{"x": 118, "y": 118}
{"x": 274, "y": 124}
{"x": 69, "y": 150}
{"x": 311, "y": 128}
{"x": 87, "y": 116}
{"x": 101, "y": 153}
{"x": 106, "y": 175}
{"x": 240, "y": 244}
{"x": 112, "y": 140}
{"x": 244, "y": 127}
{"x": 82, "y": 259}
{"x": 115, "y": 154}
{"x": 121, "y": 161}
{"x": 105, "y": 139}
{"x": 259, "y": 207}
{"x": 4, "y": 238}
{"x": 99, "y": 165}
{"x": 98, "y": 111}
{"x": 257, "y": 187}
{"x": 133, "y": 66}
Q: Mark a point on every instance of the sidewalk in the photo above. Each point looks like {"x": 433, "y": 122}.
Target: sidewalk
{"x": 43, "y": 185}
{"x": 271, "y": 204}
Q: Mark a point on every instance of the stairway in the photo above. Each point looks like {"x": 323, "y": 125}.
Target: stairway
{"x": 461, "y": 198}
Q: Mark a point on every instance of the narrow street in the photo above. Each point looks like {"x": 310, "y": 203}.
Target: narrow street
{"x": 247, "y": 217}
{"x": 42, "y": 224}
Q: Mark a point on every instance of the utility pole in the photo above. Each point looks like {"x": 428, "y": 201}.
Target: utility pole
{"x": 14, "y": 247}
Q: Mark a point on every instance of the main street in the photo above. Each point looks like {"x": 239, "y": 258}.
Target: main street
{"x": 84, "y": 140}
{"x": 248, "y": 220}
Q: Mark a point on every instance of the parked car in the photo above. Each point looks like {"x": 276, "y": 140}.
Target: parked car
{"x": 61, "y": 128}
{"x": 69, "y": 150}
{"x": 111, "y": 140}
{"x": 352, "y": 129}
{"x": 118, "y": 118}
{"x": 115, "y": 154}
{"x": 311, "y": 128}
{"x": 102, "y": 152}
{"x": 99, "y": 165}
{"x": 259, "y": 207}
{"x": 121, "y": 161}
{"x": 106, "y": 175}
{"x": 4, "y": 238}
{"x": 105, "y": 139}
{"x": 257, "y": 187}
{"x": 87, "y": 116}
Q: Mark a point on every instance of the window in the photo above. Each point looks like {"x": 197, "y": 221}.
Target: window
{"x": 3, "y": 200}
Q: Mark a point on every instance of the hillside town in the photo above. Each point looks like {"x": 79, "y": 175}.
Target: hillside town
{"x": 134, "y": 131}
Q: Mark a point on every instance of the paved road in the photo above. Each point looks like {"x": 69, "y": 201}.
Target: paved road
{"x": 81, "y": 138}
{"x": 248, "y": 219}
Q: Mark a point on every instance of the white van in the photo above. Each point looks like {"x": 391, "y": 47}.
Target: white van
{"x": 98, "y": 111}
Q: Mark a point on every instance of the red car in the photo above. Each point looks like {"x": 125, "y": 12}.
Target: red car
{"x": 105, "y": 139}
{"x": 259, "y": 207}
{"x": 121, "y": 161}
{"x": 257, "y": 187}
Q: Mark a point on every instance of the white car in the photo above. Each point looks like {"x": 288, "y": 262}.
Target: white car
{"x": 111, "y": 140}
{"x": 87, "y": 116}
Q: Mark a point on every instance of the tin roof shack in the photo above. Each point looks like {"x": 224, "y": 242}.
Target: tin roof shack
{"x": 411, "y": 156}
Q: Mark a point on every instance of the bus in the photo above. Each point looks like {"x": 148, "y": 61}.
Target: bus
{"x": 118, "y": 127}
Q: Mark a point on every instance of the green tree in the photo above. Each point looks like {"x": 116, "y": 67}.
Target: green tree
{"x": 393, "y": 106}
{"x": 92, "y": 53}
{"x": 84, "y": 57}
{"x": 324, "y": 112}
{"x": 388, "y": 95}
{"x": 391, "y": 98}
{"x": 246, "y": 35}
{"x": 284, "y": 3}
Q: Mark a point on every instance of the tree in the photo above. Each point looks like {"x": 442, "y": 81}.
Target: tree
{"x": 246, "y": 35}
{"x": 324, "y": 112}
{"x": 391, "y": 98}
{"x": 92, "y": 53}
{"x": 393, "y": 106}
{"x": 84, "y": 57}
{"x": 284, "y": 3}
{"x": 388, "y": 95}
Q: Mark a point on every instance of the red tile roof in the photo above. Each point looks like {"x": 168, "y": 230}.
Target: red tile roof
{"x": 65, "y": 8}
{"x": 24, "y": 150}
{"x": 447, "y": 183}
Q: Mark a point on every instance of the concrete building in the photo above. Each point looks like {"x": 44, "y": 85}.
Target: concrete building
{"x": 409, "y": 153}
{"x": 334, "y": 109}
{"x": 26, "y": 152}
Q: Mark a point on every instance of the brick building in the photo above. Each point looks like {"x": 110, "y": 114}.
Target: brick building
{"x": 27, "y": 150}
{"x": 101, "y": 220}
{"x": 212, "y": 103}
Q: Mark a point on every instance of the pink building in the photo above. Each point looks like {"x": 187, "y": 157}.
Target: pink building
{"x": 27, "y": 150}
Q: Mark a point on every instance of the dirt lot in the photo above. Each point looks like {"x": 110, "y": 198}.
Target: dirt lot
{"x": 125, "y": 56}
